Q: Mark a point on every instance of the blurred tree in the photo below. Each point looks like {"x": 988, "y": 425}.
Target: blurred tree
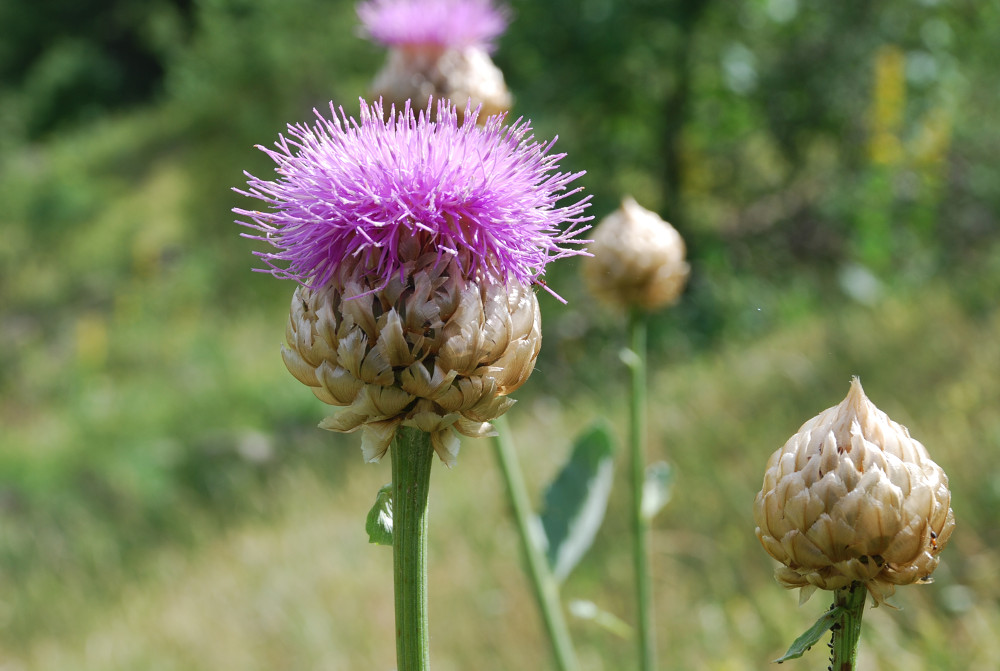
{"x": 66, "y": 61}
{"x": 614, "y": 79}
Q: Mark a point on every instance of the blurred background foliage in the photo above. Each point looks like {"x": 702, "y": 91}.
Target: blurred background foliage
{"x": 165, "y": 500}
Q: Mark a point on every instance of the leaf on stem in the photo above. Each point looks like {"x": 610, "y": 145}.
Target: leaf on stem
{"x": 588, "y": 610}
{"x": 629, "y": 357}
{"x": 812, "y": 636}
{"x": 576, "y": 500}
{"x": 657, "y": 488}
{"x": 379, "y": 521}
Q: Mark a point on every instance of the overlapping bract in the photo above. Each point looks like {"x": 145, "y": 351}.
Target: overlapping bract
{"x": 852, "y": 497}
{"x": 435, "y": 352}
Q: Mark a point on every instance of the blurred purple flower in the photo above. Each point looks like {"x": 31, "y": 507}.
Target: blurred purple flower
{"x": 373, "y": 191}
{"x": 445, "y": 23}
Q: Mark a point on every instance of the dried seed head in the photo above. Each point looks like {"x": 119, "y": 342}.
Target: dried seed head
{"x": 852, "y": 497}
{"x": 638, "y": 259}
{"x": 430, "y": 350}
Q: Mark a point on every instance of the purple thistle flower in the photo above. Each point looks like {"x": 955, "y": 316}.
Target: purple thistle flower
{"x": 444, "y": 23}
{"x": 365, "y": 191}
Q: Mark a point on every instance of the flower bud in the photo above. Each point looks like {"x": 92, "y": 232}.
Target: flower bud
{"x": 638, "y": 259}
{"x": 852, "y": 497}
{"x": 437, "y": 353}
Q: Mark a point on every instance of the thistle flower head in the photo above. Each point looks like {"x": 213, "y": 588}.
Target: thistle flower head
{"x": 852, "y": 497}
{"x": 415, "y": 241}
{"x": 637, "y": 259}
{"x": 380, "y": 193}
{"x": 438, "y": 23}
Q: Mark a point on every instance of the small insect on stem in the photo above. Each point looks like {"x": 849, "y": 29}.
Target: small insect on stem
{"x": 934, "y": 544}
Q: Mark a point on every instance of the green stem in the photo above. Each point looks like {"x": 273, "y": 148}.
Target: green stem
{"x": 847, "y": 630}
{"x": 640, "y": 526}
{"x": 542, "y": 581}
{"x": 412, "y": 456}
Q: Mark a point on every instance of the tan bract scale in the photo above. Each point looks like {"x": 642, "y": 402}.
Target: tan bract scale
{"x": 852, "y": 497}
{"x": 419, "y": 72}
{"x": 436, "y": 353}
{"x": 638, "y": 259}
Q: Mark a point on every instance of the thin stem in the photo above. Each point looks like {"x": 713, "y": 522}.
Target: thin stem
{"x": 847, "y": 631}
{"x": 412, "y": 456}
{"x": 542, "y": 581}
{"x": 640, "y": 526}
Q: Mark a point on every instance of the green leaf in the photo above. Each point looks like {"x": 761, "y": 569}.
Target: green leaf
{"x": 657, "y": 488}
{"x": 379, "y": 521}
{"x": 812, "y": 636}
{"x": 629, "y": 357}
{"x": 576, "y": 500}
{"x": 588, "y": 610}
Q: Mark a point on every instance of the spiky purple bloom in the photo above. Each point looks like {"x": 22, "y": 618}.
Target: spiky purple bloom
{"x": 366, "y": 191}
{"x": 444, "y": 23}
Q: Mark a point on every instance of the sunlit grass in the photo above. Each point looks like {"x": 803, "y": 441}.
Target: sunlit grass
{"x": 291, "y": 581}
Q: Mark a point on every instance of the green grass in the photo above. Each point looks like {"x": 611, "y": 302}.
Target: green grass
{"x": 289, "y": 581}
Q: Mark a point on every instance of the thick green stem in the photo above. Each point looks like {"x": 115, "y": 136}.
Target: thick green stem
{"x": 640, "y": 525}
{"x": 847, "y": 630}
{"x": 412, "y": 456}
{"x": 542, "y": 581}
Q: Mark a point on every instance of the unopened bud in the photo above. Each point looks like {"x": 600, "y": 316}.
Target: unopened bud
{"x": 852, "y": 497}
{"x": 638, "y": 259}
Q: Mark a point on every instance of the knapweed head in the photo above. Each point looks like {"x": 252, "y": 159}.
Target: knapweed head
{"x": 415, "y": 243}
{"x": 852, "y": 497}
{"x": 637, "y": 259}
{"x": 440, "y": 49}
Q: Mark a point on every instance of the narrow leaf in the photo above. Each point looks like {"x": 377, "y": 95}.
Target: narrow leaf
{"x": 812, "y": 636}
{"x": 657, "y": 488}
{"x": 576, "y": 500}
{"x": 629, "y": 358}
{"x": 379, "y": 521}
{"x": 588, "y": 610}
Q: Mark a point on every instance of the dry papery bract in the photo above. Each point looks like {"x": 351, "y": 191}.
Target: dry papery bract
{"x": 429, "y": 350}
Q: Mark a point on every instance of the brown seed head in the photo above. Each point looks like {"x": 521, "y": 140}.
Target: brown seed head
{"x": 638, "y": 259}
{"x": 852, "y": 497}
{"x": 430, "y": 350}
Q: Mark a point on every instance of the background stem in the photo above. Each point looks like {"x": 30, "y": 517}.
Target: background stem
{"x": 640, "y": 526}
{"x": 412, "y": 456}
{"x": 542, "y": 581}
{"x": 847, "y": 632}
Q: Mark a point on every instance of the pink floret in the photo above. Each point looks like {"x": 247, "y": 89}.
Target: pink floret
{"x": 346, "y": 189}
{"x": 445, "y": 23}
